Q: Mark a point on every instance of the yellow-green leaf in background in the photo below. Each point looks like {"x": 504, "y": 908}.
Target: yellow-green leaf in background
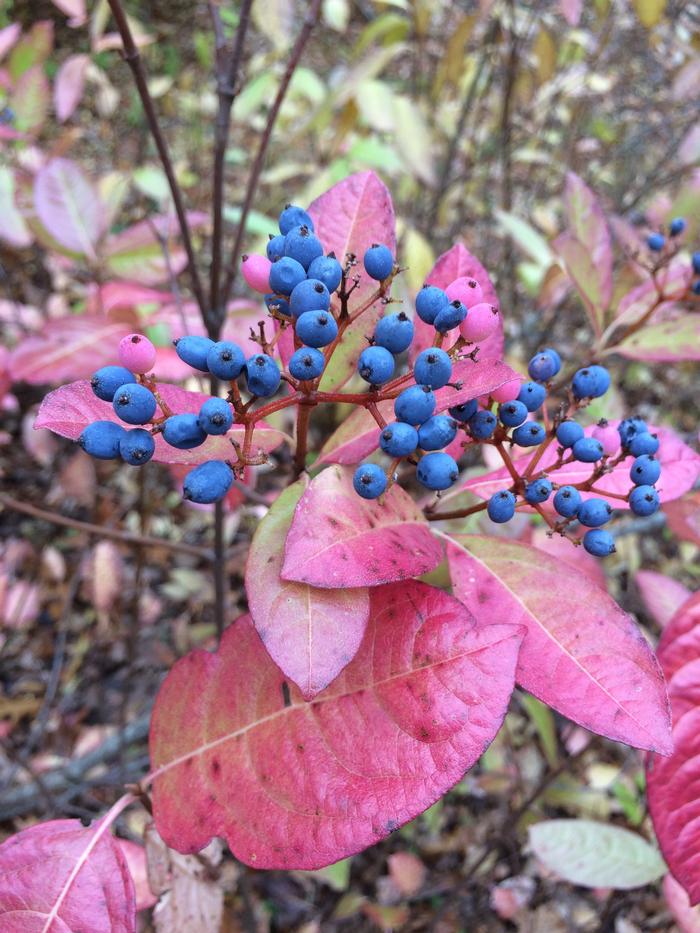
{"x": 649, "y": 12}
{"x": 276, "y": 19}
{"x": 545, "y": 51}
{"x": 336, "y": 14}
{"x": 418, "y": 256}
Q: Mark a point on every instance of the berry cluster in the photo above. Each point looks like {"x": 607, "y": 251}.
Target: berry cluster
{"x": 660, "y": 242}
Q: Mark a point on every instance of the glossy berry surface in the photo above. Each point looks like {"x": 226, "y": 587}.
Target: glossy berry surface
{"x": 677, "y": 226}
{"x": 256, "y": 272}
{"x": 437, "y": 432}
{"x": 538, "y": 491}
{"x": 590, "y": 382}
{"x": 643, "y": 443}
{"x": 656, "y": 242}
{"x": 569, "y": 432}
{"x": 450, "y": 317}
{"x": 107, "y": 380}
{"x": 543, "y": 366}
{"x": 644, "y": 500}
{"x": 433, "y": 368}
{"x": 567, "y": 500}
{"x": 532, "y": 395}
{"x": 262, "y": 375}
{"x": 464, "y": 412}
{"x": 137, "y": 446}
{"x": 376, "y": 365}
{"x": 208, "y": 482}
{"x": 183, "y": 431}
{"x": 482, "y": 424}
{"x": 137, "y": 353}
{"x": 294, "y": 216}
{"x": 482, "y": 320}
{"x": 398, "y": 439}
{"x": 328, "y": 270}
{"x": 512, "y": 414}
{"x": 629, "y": 428}
{"x": 285, "y": 275}
{"x": 275, "y": 247}
{"x": 501, "y": 506}
{"x": 529, "y": 434}
{"x": 317, "y": 328}
{"x": 194, "y": 350}
{"x": 645, "y": 470}
{"x": 378, "y": 262}
{"x": 599, "y": 542}
{"x": 437, "y": 471}
{"x": 309, "y": 295}
{"x": 369, "y": 481}
{"x": 415, "y": 405}
{"x": 134, "y": 403}
{"x": 394, "y": 332}
{"x": 225, "y": 360}
{"x": 594, "y": 512}
{"x": 695, "y": 262}
{"x": 215, "y": 416}
{"x": 101, "y": 439}
{"x": 588, "y": 450}
{"x": 306, "y": 363}
{"x": 302, "y": 244}
{"x": 430, "y": 301}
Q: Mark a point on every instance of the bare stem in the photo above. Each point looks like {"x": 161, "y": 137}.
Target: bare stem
{"x": 303, "y": 416}
{"x": 456, "y": 513}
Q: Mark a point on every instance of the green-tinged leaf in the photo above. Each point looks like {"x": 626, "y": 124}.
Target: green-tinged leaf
{"x": 667, "y": 342}
{"x": 580, "y": 267}
{"x": 542, "y": 719}
{"x": 595, "y": 855}
{"x": 276, "y": 20}
{"x": 588, "y": 225}
{"x": 414, "y": 140}
{"x": 13, "y": 229}
{"x": 256, "y": 93}
{"x": 256, "y": 222}
{"x": 375, "y": 103}
{"x": 370, "y": 152}
{"x": 649, "y": 12}
{"x": 32, "y": 49}
{"x": 306, "y": 83}
{"x": 336, "y": 876}
{"x": 526, "y": 237}
{"x": 418, "y": 255}
{"x": 336, "y": 14}
{"x": 385, "y": 29}
{"x": 30, "y": 99}
{"x": 152, "y": 182}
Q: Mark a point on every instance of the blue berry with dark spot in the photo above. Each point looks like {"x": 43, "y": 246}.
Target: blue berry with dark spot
{"x": 376, "y": 365}
{"x": 529, "y": 434}
{"x": 594, "y": 512}
{"x": 107, "y": 380}
{"x": 569, "y": 432}
{"x": 285, "y": 275}
{"x": 369, "y": 481}
{"x": 101, "y": 439}
{"x": 415, "y": 405}
{"x": 450, "y": 317}
{"x": 134, "y": 403}
{"x": 656, "y": 242}
{"x": 303, "y": 245}
{"x": 394, "y": 332}
{"x": 309, "y": 295}
{"x": 437, "y": 432}
{"x": 275, "y": 247}
{"x": 590, "y": 382}
{"x": 464, "y": 412}
{"x": 599, "y": 542}
{"x": 677, "y": 226}
{"x": 696, "y": 287}
{"x": 532, "y": 395}
{"x": 482, "y": 424}
{"x": 629, "y": 428}
{"x": 430, "y": 301}
{"x": 544, "y": 365}
{"x": 378, "y": 262}
{"x": 294, "y": 216}
{"x": 306, "y": 363}
{"x": 137, "y": 446}
{"x": 183, "y": 431}
{"x": 225, "y": 360}
{"x": 194, "y": 350}
{"x": 645, "y": 470}
{"x": 262, "y": 375}
{"x": 538, "y": 490}
{"x": 644, "y": 443}
{"x": 328, "y": 270}
{"x": 398, "y": 439}
{"x": 208, "y": 482}
{"x": 567, "y": 500}
{"x": 587, "y": 450}
{"x": 644, "y": 500}
{"x": 433, "y": 367}
{"x": 316, "y": 328}
{"x": 501, "y": 506}
{"x": 695, "y": 260}
{"x": 512, "y": 413}
{"x": 437, "y": 471}
{"x": 215, "y": 416}
{"x": 277, "y": 303}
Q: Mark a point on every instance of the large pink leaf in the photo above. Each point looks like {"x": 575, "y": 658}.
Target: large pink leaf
{"x": 588, "y": 224}
{"x": 669, "y": 341}
{"x": 662, "y": 596}
{"x": 680, "y": 468}
{"x": 671, "y": 284}
{"x": 358, "y": 435}
{"x": 582, "y": 654}
{"x": 60, "y": 877}
{"x": 348, "y": 218}
{"x": 138, "y": 254}
{"x": 69, "y": 85}
{"x": 310, "y": 633}
{"x": 300, "y": 785}
{"x": 340, "y": 540}
{"x": 582, "y": 271}
{"x": 680, "y": 640}
{"x": 67, "y": 410}
{"x": 68, "y": 206}
{"x": 684, "y": 517}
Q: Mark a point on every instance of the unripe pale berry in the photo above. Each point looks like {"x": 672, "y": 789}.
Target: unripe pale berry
{"x": 508, "y": 391}
{"x": 465, "y": 289}
{"x": 481, "y": 321}
{"x": 137, "y": 353}
{"x": 256, "y": 272}
{"x": 608, "y": 437}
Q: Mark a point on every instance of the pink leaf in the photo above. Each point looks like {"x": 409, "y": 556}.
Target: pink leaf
{"x": 135, "y": 856}
{"x": 673, "y": 281}
{"x": 70, "y": 347}
{"x": 137, "y": 253}
{"x": 67, "y": 410}
{"x": 582, "y": 271}
{"x": 571, "y": 11}
{"x": 589, "y": 226}
{"x": 75, "y": 9}
{"x": 348, "y": 218}
{"x": 407, "y": 872}
{"x": 680, "y": 468}
{"x": 13, "y": 228}
{"x": 69, "y": 207}
{"x": 668, "y": 341}
{"x": 582, "y": 654}
{"x": 687, "y": 917}
{"x": 661, "y": 595}
{"x": 310, "y": 633}
{"x": 684, "y": 517}
{"x": 69, "y": 85}
{"x": 8, "y": 36}
{"x": 102, "y": 299}
{"x": 558, "y": 547}
{"x": 64, "y": 878}
{"x": 340, "y": 540}
{"x": 29, "y": 100}
{"x": 680, "y": 640}
{"x": 301, "y": 785}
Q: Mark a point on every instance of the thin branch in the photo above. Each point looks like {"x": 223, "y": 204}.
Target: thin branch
{"x": 133, "y": 59}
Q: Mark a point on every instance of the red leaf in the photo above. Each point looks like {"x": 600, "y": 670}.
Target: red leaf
{"x": 67, "y": 410}
{"x": 661, "y": 595}
{"x": 680, "y": 640}
{"x": 301, "y": 785}
{"x": 69, "y": 85}
{"x": 340, "y": 540}
{"x": 62, "y": 877}
{"x": 582, "y": 654}
{"x": 69, "y": 207}
{"x": 310, "y": 633}
{"x": 684, "y": 517}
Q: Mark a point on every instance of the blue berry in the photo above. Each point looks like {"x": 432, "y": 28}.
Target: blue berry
{"x": 303, "y": 245}
{"x": 501, "y": 506}
{"x": 643, "y": 443}
{"x": 137, "y": 446}
{"x": 277, "y": 303}
{"x": 430, "y": 301}
{"x": 656, "y": 242}
{"x": 482, "y": 424}
{"x": 107, "y": 380}
{"x": 433, "y": 368}
{"x": 544, "y": 365}
{"x": 194, "y": 350}
{"x": 437, "y": 471}
{"x": 569, "y": 432}
{"x": 695, "y": 260}
{"x": 394, "y": 332}
{"x": 208, "y": 482}
{"x": 415, "y": 405}
{"x": 134, "y": 403}
{"x": 645, "y": 470}
{"x": 594, "y": 512}
{"x": 590, "y": 382}
{"x": 328, "y": 270}
{"x": 538, "y": 491}
{"x": 369, "y": 481}
{"x": 529, "y": 434}
{"x": 437, "y": 432}
{"x": 378, "y": 262}
{"x": 225, "y": 360}
{"x": 306, "y": 363}
{"x": 696, "y": 287}
{"x": 644, "y": 500}
{"x": 629, "y": 428}
{"x": 309, "y": 295}
{"x": 317, "y": 328}
{"x": 375, "y": 365}
{"x": 398, "y": 439}
{"x": 464, "y": 412}
{"x": 215, "y": 416}
{"x": 532, "y": 395}
{"x": 587, "y": 450}
{"x": 567, "y": 500}
{"x": 285, "y": 275}
{"x": 677, "y": 226}
{"x": 293, "y": 216}
{"x": 101, "y": 439}
{"x": 183, "y": 431}
{"x": 275, "y": 247}
{"x": 512, "y": 413}
{"x": 599, "y": 542}
{"x": 450, "y": 317}
{"x": 262, "y": 375}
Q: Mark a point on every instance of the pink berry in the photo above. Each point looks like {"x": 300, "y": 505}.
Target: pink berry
{"x": 507, "y": 392}
{"x": 466, "y": 289}
{"x": 609, "y": 438}
{"x": 481, "y": 321}
{"x": 256, "y": 272}
{"x": 137, "y": 353}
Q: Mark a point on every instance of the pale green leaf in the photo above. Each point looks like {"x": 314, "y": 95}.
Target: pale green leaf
{"x": 526, "y": 237}
{"x": 649, "y": 12}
